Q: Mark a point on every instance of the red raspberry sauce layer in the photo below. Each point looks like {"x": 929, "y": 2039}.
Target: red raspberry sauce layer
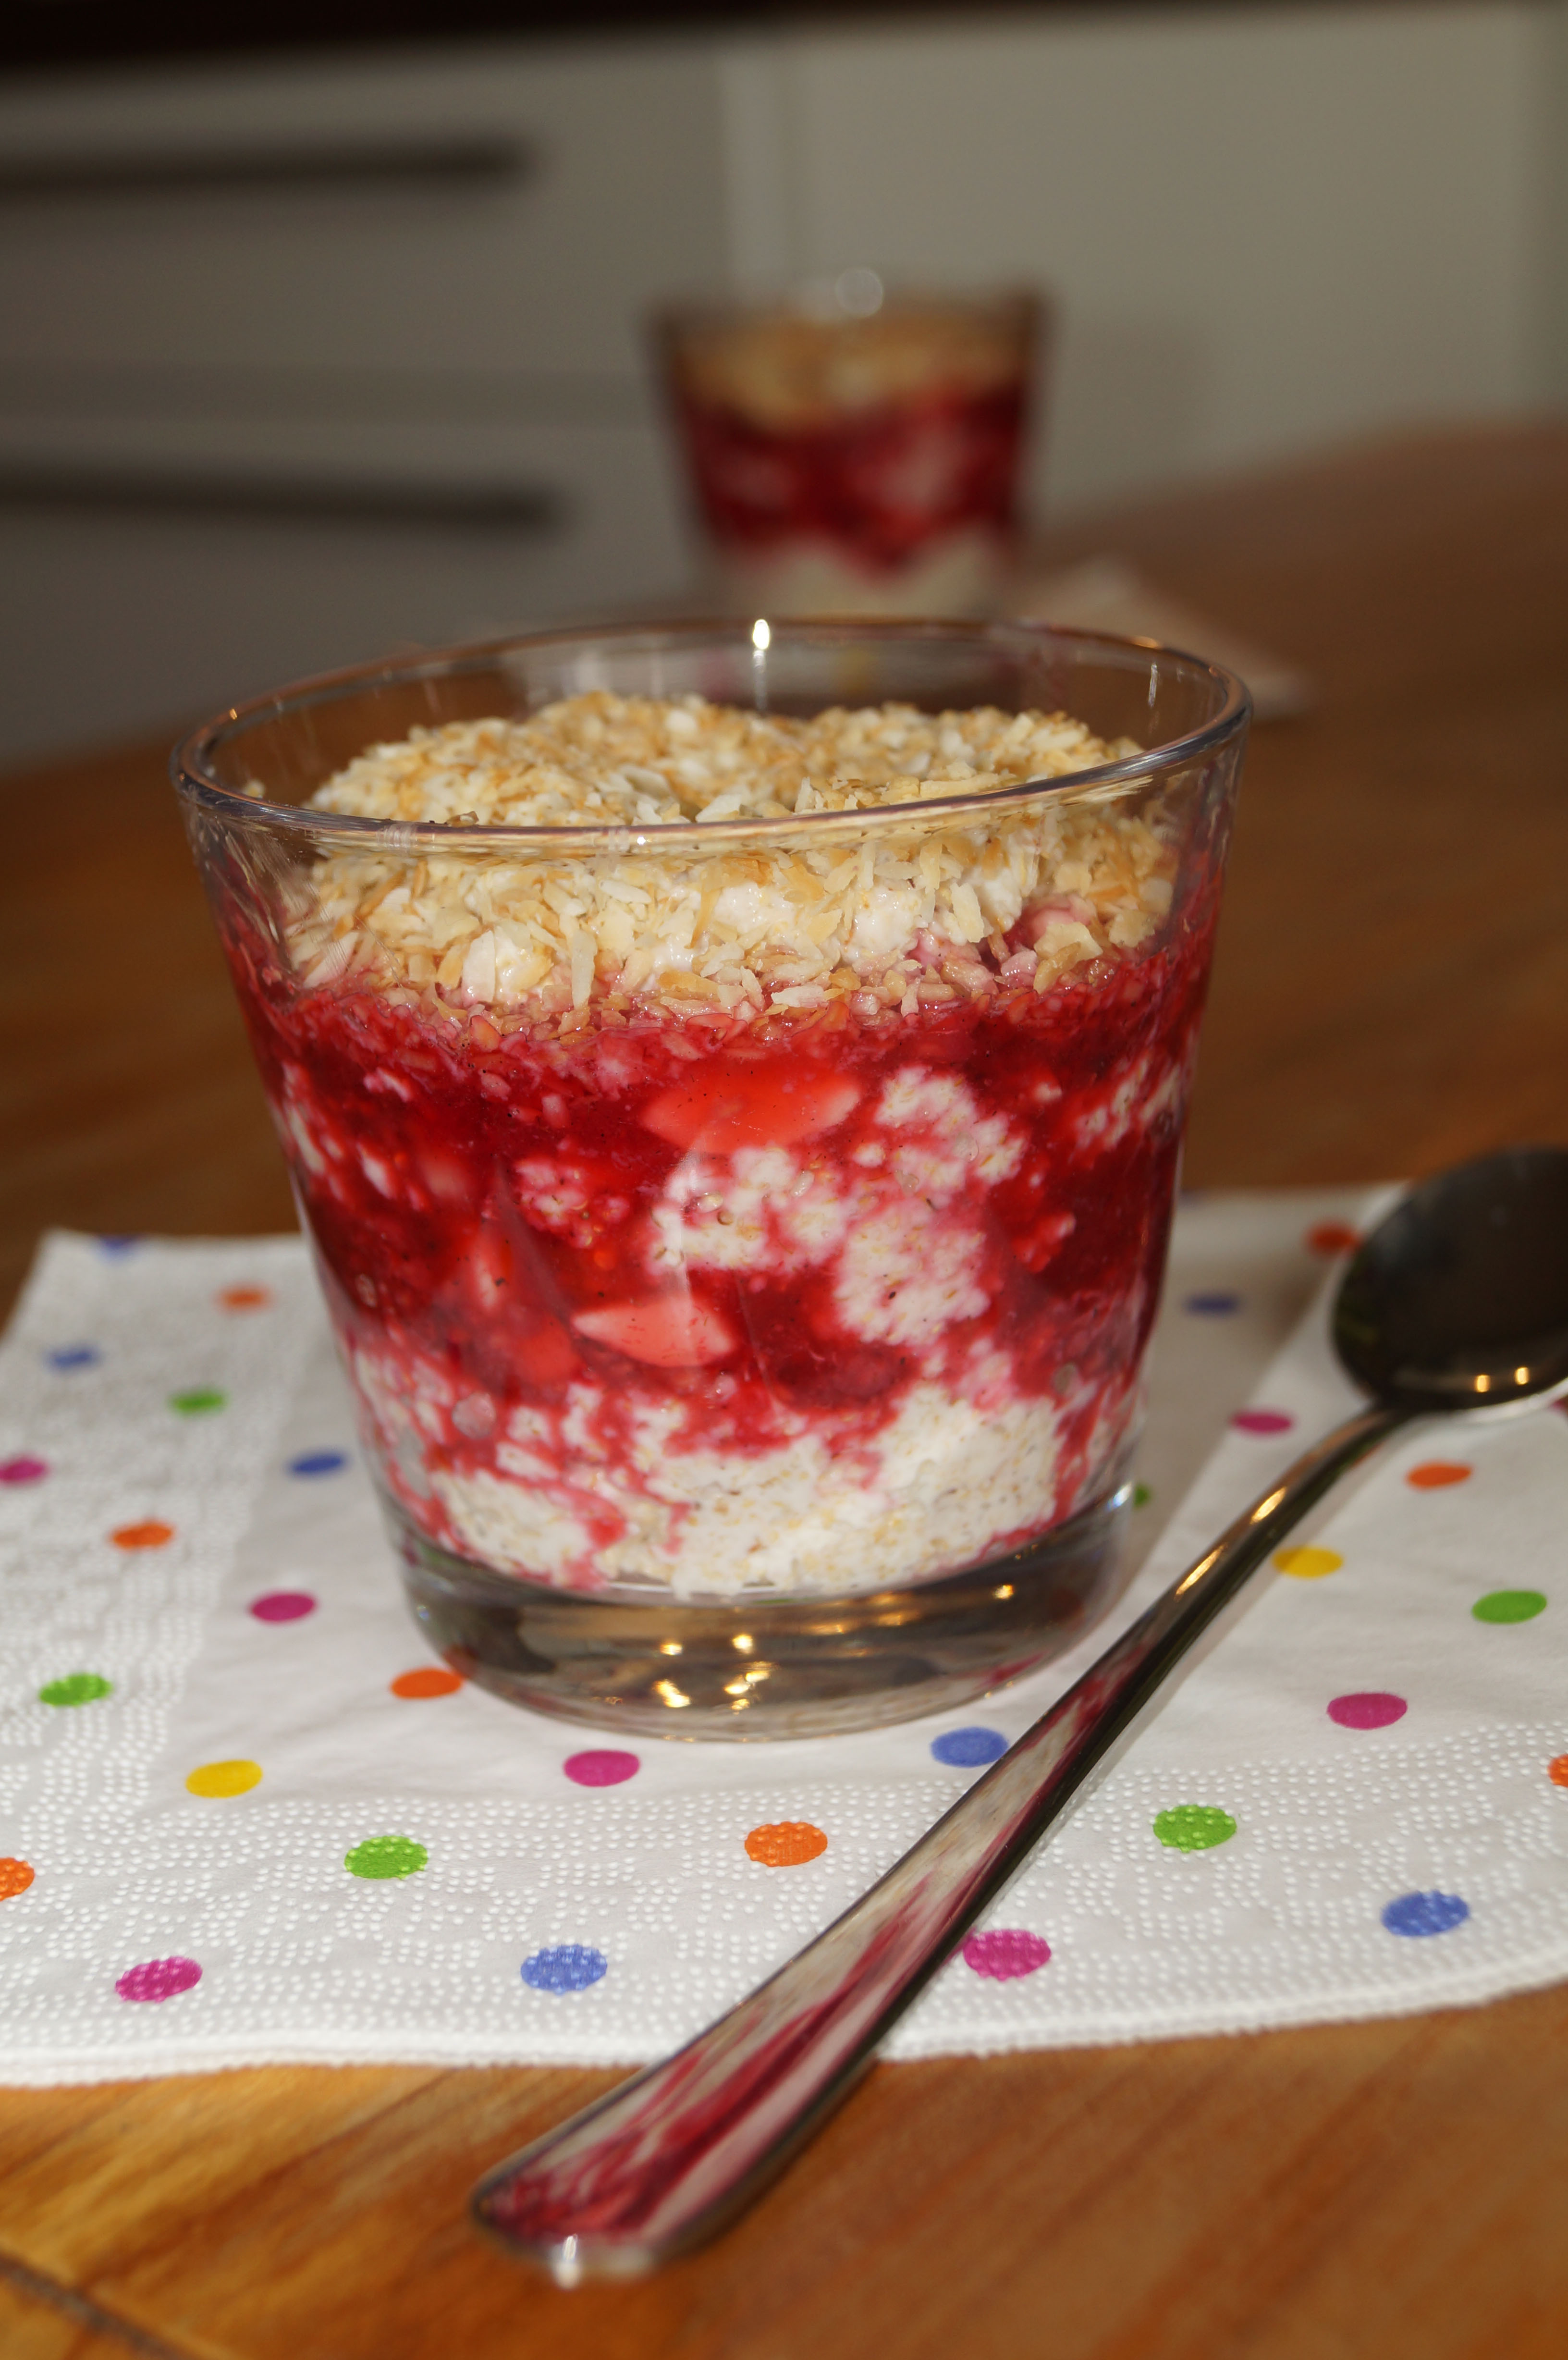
{"x": 571, "y": 1264}
{"x": 881, "y": 484}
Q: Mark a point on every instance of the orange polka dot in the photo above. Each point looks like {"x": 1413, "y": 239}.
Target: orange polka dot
{"x": 787, "y": 1843}
{"x": 1331, "y": 1238}
{"x": 15, "y": 1876}
{"x": 430, "y": 1680}
{"x": 244, "y": 1299}
{"x": 1557, "y": 1771}
{"x": 1435, "y": 1474}
{"x": 151, "y": 1534}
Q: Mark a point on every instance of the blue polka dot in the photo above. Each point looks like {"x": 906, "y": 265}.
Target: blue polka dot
{"x": 571, "y": 1967}
{"x": 1425, "y": 1913}
{"x": 118, "y": 1245}
{"x": 74, "y": 1356}
{"x": 1213, "y": 1307}
{"x": 966, "y": 1749}
{"x": 318, "y": 1462}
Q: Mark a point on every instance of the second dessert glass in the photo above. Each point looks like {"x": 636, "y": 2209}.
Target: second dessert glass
{"x": 742, "y": 1235}
{"x": 865, "y": 454}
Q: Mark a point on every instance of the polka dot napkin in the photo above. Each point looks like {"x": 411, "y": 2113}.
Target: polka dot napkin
{"x": 244, "y": 1817}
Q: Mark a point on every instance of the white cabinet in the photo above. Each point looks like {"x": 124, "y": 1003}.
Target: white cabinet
{"x": 301, "y": 360}
{"x": 508, "y": 212}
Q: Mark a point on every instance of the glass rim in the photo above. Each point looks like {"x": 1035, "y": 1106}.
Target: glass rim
{"x": 190, "y": 758}
{"x": 796, "y": 298}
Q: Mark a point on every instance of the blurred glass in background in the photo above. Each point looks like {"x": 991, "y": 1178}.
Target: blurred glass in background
{"x": 315, "y": 344}
{"x": 857, "y": 449}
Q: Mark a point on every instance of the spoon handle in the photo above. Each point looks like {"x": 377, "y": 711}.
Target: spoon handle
{"x": 664, "y": 2160}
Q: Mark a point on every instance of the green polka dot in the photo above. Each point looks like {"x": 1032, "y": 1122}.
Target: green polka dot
{"x": 1194, "y": 1827}
{"x": 386, "y": 1856}
{"x": 77, "y": 1688}
{"x": 1509, "y": 1606}
{"x": 1141, "y": 1495}
{"x": 199, "y": 1402}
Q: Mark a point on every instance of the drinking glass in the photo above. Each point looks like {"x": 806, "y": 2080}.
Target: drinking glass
{"x": 860, "y": 453}
{"x": 733, "y": 1357}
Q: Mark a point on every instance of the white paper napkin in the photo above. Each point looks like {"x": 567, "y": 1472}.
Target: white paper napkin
{"x": 192, "y": 1554}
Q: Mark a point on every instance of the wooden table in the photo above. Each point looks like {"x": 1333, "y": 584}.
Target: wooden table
{"x": 1391, "y": 992}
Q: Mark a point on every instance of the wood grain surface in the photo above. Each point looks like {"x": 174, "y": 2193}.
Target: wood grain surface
{"x": 1390, "y": 992}
{"x": 42, "y": 2323}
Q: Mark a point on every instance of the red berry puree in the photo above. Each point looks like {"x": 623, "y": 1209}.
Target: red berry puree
{"x": 814, "y": 1301}
{"x": 879, "y": 488}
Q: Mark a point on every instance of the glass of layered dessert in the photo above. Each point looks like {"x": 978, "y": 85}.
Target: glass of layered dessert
{"x": 853, "y": 451}
{"x": 733, "y": 1081}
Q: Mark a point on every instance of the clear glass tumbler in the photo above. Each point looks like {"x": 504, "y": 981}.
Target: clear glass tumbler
{"x": 742, "y": 1235}
{"x": 865, "y": 454}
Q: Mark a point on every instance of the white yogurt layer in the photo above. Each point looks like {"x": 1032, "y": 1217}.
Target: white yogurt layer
{"x": 942, "y": 1485}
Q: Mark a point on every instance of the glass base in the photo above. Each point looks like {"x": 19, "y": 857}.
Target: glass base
{"x": 776, "y": 1667}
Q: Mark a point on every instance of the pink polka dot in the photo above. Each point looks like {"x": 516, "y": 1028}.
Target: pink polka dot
{"x": 158, "y": 1979}
{"x": 1262, "y": 1421}
{"x": 22, "y": 1469}
{"x": 603, "y": 1766}
{"x": 1005, "y": 1951}
{"x": 1367, "y": 1709}
{"x": 283, "y": 1606}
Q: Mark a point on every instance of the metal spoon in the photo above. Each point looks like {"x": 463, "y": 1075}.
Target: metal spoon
{"x": 1458, "y": 1301}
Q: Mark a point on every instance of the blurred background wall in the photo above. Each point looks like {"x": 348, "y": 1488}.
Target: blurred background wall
{"x": 305, "y": 358}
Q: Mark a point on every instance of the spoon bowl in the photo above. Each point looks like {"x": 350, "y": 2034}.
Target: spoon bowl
{"x": 1459, "y": 1298}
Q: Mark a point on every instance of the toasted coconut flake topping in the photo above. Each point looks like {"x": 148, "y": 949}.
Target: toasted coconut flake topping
{"x": 919, "y": 909}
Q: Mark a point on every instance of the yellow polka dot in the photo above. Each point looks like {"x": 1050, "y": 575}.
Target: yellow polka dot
{"x": 1308, "y": 1564}
{"x": 224, "y": 1778}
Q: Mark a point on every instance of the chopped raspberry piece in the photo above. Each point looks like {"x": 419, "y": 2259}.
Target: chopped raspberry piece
{"x": 729, "y": 1105}
{"x": 666, "y": 1331}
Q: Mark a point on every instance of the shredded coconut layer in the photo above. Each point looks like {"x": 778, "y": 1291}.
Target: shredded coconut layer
{"x": 907, "y": 911}
{"x": 785, "y": 370}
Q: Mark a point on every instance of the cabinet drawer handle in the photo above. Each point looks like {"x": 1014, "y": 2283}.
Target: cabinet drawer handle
{"x": 534, "y": 508}
{"x": 471, "y": 160}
